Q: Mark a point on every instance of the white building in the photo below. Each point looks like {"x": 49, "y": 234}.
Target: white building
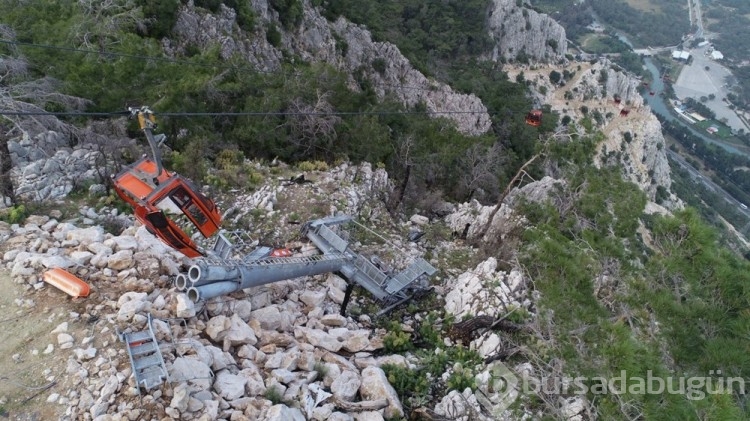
{"x": 680, "y": 55}
{"x": 716, "y": 55}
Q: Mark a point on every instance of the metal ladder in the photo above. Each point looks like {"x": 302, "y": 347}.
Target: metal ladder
{"x": 145, "y": 358}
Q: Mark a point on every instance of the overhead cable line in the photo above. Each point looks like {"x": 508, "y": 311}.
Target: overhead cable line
{"x": 234, "y": 114}
{"x": 61, "y": 114}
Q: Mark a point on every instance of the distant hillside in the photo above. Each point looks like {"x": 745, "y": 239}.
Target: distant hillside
{"x": 730, "y": 20}
{"x": 662, "y": 23}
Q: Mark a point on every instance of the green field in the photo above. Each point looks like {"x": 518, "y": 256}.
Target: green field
{"x": 646, "y": 6}
{"x": 724, "y": 131}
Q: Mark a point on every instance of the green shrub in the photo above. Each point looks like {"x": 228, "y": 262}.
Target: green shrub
{"x": 274, "y": 395}
{"x": 190, "y": 162}
{"x": 555, "y": 77}
{"x": 321, "y": 369}
{"x": 312, "y": 166}
{"x": 15, "y": 214}
{"x": 460, "y": 379}
{"x": 396, "y": 340}
{"x": 160, "y": 17}
{"x": 229, "y": 159}
{"x": 290, "y": 12}
{"x": 379, "y": 65}
{"x": 406, "y": 382}
{"x": 273, "y": 36}
{"x": 245, "y": 15}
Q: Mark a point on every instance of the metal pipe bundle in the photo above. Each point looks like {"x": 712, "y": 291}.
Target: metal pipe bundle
{"x": 202, "y": 273}
{"x": 208, "y": 280}
{"x": 212, "y": 290}
{"x": 181, "y": 282}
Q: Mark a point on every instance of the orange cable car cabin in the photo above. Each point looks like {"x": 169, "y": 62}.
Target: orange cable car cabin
{"x": 155, "y": 194}
{"x": 534, "y": 118}
{"x": 154, "y": 197}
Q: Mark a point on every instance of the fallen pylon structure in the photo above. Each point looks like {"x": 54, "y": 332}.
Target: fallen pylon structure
{"x": 214, "y": 277}
{"x": 221, "y": 274}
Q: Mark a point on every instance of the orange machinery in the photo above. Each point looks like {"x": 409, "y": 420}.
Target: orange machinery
{"x": 156, "y": 194}
{"x": 534, "y": 118}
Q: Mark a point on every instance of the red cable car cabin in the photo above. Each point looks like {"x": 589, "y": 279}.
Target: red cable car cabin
{"x": 534, "y": 118}
{"x": 151, "y": 195}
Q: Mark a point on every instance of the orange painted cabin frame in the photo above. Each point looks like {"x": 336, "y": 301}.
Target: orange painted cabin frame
{"x": 150, "y": 194}
{"x": 534, "y": 118}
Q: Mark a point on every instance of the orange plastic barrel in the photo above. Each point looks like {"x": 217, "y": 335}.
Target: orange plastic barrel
{"x": 66, "y": 282}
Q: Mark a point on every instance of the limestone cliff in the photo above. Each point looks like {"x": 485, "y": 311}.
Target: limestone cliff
{"x": 346, "y": 46}
{"x": 607, "y": 98}
{"x": 519, "y": 31}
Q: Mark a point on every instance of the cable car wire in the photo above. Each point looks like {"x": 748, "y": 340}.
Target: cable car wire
{"x": 234, "y": 114}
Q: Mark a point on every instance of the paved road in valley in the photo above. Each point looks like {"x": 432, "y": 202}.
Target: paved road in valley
{"x": 697, "y": 176}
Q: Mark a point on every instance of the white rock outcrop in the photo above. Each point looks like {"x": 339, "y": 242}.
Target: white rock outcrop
{"x": 318, "y": 40}
{"x": 522, "y": 32}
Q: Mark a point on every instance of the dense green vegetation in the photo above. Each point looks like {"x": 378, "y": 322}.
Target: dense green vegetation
{"x": 700, "y": 108}
{"x": 667, "y": 27}
{"x": 731, "y": 167}
{"x": 709, "y": 204}
{"x": 443, "y": 39}
{"x": 733, "y": 26}
{"x": 610, "y": 299}
{"x": 610, "y": 44}
{"x": 134, "y": 70}
{"x": 663, "y": 25}
{"x": 573, "y": 16}
{"x": 604, "y": 288}
{"x": 433, "y": 35}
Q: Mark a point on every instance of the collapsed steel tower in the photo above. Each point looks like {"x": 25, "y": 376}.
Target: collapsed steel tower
{"x": 223, "y": 272}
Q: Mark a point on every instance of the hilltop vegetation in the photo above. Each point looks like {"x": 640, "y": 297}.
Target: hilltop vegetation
{"x": 662, "y": 25}
{"x": 433, "y": 35}
{"x": 731, "y": 20}
{"x": 135, "y": 70}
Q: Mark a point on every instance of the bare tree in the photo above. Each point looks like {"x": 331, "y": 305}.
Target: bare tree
{"x": 513, "y": 182}
{"x": 312, "y": 126}
{"x": 479, "y": 168}
{"x": 103, "y": 19}
{"x": 404, "y": 158}
{"x": 109, "y": 138}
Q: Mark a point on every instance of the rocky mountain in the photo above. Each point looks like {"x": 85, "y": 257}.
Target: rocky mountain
{"x": 284, "y": 351}
{"x": 350, "y": 48}
{"x": 608, "y": 99}
{"x": 522, "y": 33}
{"x": 277, "y": 352}
{"x": 341, "y": 44}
